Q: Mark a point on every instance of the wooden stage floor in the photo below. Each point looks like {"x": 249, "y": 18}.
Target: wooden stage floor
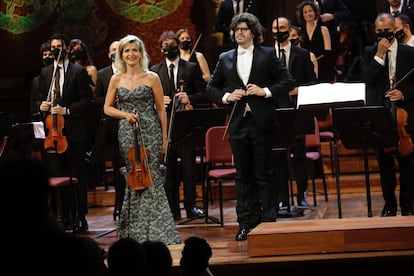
{"x": 231, "y": 257}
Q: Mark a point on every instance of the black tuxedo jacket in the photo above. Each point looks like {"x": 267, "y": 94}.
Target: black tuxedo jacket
{"x": 301, "y": 68}
{"x": 266, "y": 71}
{"x": 77, "y": 96}
{"x": 190, "y": 73}
{"x": 102, "y": 83}
{"x": 377, "y": 81}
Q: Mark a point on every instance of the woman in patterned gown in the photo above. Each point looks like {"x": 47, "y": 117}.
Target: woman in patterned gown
{"x": 145, "y": 213}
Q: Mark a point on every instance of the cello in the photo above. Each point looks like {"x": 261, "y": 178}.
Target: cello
{"x": 55, "y": 141}
{"x": 139, "y": 177}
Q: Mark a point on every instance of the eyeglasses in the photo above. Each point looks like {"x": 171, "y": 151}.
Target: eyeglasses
{"x": 243, "y": 30}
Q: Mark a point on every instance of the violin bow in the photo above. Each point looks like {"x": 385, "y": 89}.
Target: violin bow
{"x": 195, "y": 45}
{"x": 404, "y": 77}
{"x": 228, "y": 123}
{"x": 50, "y": 95}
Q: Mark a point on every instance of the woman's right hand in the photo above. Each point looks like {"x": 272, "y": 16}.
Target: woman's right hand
{"x": 131, "y": 117}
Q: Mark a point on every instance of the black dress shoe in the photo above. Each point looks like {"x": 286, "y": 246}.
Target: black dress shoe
{"x": 389, "y": 211}
{"x": 81, "y": 226}
{"x": 242, "y": 234}
{"x": 283, "y": 206}
{"x": 194, "y": 212}
{"x": 303, "y": 204}
{"x": 117, "y": 213}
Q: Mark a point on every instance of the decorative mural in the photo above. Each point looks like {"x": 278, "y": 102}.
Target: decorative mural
{"x": 79, "y": 17}
{"x": 144, "y": 11}
{"x": 21, "y": 16}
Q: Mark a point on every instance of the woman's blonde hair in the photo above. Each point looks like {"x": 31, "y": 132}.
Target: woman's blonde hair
{"x": 120, "y": 63}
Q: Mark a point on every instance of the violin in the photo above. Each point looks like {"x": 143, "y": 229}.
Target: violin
{"x": 186, "y": 106}
{"x": 404, "y": 144}
{"x": 55, "y": 141}
{"x": 139, "y": 177}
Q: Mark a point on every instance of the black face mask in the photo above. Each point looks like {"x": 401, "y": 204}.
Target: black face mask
{"x": 295, "y": 41}
{"x": 387, "y": 35}
{"x": 77, "y": 55}
{"x": 186, "y": 45}
{"x": 113, "y": 57}
{"x": 171, "y": 51}
{"x": 47, "y": 61}
{"x": 281, "y": 36}
{"x": 56, "y": 51}
{"x": 399, "y": 35}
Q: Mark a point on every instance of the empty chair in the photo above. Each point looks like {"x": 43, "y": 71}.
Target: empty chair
{"x": 57, "y": 185}
{"x": 313, "y": 159}
{"x": 219, "y": 161}
{"x": 313, "y": 155}
{"x": 326, "y": 134}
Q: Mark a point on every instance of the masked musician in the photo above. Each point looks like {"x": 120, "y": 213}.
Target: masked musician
{"x": 387, "y": 83}
{"x": 183, "y": 85}
{"x": 188, "y": 53}
{"x": 298, "y": 62}
{"x": 75, "y": 99}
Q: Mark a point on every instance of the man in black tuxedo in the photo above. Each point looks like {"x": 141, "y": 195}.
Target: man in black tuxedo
{"x": 73, "y": 99}
{"x": 299, "y": 64}
{"x": 186, "y": 87}
{"x": 106, "y": 146}
{"x": 105, "y": 74}
{"x": 227, "y": 9}
{"x": 379, "y": 76}
{"x": 249, "y": 80}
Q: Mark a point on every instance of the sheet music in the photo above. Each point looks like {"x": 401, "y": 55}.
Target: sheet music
{"x": 330, "y": 93}
{"x": 39, "y": 130}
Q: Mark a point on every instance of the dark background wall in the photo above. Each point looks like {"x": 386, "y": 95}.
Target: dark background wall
{"x": 24, "y": 26}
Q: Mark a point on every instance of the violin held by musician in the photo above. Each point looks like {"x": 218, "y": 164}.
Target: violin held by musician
{"x": 139, "y": 177}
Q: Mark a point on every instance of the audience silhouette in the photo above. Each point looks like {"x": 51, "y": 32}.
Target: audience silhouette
{"x": 126, "y": 256}
{"x": 195, "y": 257}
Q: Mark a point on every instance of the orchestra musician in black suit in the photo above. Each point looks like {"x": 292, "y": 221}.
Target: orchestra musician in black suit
{"x": 75, "y": 100}
{"x": 107, "y": 142}
{"x": 47, "y": 59}
{"x": 188, "y": 88}
{"x": 390, "y": 83}
{"x": 249, "y": 80}
{"x": 299, "y": 64}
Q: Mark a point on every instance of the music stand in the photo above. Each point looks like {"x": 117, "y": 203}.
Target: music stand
{"x": 19, "y": 143}
{"x": 368, "y": 127}
{"x": 322, "y": 109}
{"x": 189, "y": 128}
{"x": 289, "y": 125}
